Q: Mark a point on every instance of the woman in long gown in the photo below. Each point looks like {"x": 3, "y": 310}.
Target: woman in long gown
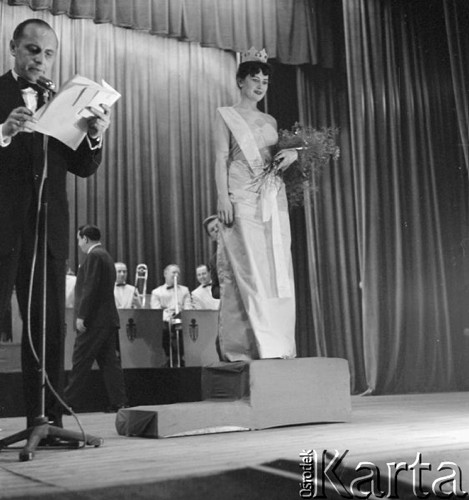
{"x": 257, "y": 310}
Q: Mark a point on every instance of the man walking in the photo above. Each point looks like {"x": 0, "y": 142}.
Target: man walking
{"x": 97, "y": 322}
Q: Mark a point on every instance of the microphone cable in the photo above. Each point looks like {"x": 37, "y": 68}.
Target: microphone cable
{"x": 30, "y": 294}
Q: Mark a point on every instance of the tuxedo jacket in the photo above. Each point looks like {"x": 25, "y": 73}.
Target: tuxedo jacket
{"x": 21, "y": 167}
{"x": 94, "y": 290}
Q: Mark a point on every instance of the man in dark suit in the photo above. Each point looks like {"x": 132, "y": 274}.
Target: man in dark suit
{"x": 34, "y": 48}
{"x": 211, "y": 226}
{"x": 97, "y": 322}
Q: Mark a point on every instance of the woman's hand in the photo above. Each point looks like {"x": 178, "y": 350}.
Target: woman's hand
{"x": 225, "y": 211}
{"x": 284, "y": 158}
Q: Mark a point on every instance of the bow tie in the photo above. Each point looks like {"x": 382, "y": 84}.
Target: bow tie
{"x": 120, "y": 284}
{"x": 169, "y": 287}
{"x": 24, "y": 84}
{"x": 42, "y": 94}
{"x": 208, "y": 284}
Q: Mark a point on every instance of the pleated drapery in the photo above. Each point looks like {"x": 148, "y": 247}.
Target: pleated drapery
{"x": 384, "y": 258}
{"x": 406, "y": 177}
{"x": 457, "y": 24}
{"x": 287, "y": 29}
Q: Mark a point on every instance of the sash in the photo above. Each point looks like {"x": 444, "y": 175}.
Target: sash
{"x": 268, "y": 196}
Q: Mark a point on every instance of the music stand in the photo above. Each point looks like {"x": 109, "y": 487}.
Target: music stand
{"x": 41, "y": 429}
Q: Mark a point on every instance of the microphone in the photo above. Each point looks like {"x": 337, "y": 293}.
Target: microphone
{"x": 46, "y": 84}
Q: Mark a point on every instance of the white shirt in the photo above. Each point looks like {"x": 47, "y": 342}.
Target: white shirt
{"x": 126, "y": 297}
{"x": 202, "y": 298}
{"x": 164, "y": 298}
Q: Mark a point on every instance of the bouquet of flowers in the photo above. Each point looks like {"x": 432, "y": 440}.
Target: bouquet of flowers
{"x": 315, "y": 149}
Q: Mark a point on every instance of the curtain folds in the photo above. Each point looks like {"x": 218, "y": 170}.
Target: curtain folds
{"x": 457, "y": 22}
{"x": 405, "y": 161}
{"x": 330, "y": 254}
{"x": 285, "y": 28}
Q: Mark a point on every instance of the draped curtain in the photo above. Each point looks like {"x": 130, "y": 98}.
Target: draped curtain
{"x": 330, "y": 251}
{"x": 408, "y": 194}
{"x": 287, "y": 29}
{"x": 457, "y": 23}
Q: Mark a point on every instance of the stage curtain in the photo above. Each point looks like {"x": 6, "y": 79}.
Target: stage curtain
{"x": 288, "y": 29}
{"x": 457, "y": 23}
{"x": 408, "y": 198}
{"x": 155, "y": 185}
{"x": 329, "y": 314}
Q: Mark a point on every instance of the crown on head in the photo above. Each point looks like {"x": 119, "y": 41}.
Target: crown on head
{"x": 254, "y": 55}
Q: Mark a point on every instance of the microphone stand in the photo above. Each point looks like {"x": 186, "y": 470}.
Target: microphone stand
{"x": 175, "y": 327}
{"x": 41, "y": 429}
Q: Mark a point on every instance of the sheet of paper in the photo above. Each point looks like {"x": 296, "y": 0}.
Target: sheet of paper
{"x": 64, "y": 117}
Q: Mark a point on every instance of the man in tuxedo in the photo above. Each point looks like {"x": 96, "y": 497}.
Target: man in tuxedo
{"x": 125, "y": 294}
{"x": 34, "y": 49}
{"x": 97, "y": 322}
{"x": 211, "y": 226}
{"x": 202, "y": 296}
{"x": 172, "y": 300}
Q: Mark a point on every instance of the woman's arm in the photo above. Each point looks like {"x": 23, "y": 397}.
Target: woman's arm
{"x": 285, "y": 157}
{"x": 222, "y": 149}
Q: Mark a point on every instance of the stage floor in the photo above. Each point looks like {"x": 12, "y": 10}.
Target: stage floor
{"x": 383, "y": 429}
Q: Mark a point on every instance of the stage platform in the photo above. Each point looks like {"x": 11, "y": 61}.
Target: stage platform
{"x": 248, "y": 465}
{"x": 251, "y": 395}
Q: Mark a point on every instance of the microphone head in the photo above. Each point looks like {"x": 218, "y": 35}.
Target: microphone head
{"x": 45, "y": 83}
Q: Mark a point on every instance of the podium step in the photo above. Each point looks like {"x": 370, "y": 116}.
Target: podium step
{"x": 252, "y": 395}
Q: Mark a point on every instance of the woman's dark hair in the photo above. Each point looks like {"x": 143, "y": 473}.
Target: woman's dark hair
{"x": 252, "y": 68}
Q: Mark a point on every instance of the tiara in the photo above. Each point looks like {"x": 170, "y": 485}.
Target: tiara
{"x": 254, "y": 55}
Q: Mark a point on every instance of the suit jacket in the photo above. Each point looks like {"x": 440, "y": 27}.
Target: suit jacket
{"x": 214, "y": 276}
{"x": 94, "y": 290}
{"x": 21, "y": 166}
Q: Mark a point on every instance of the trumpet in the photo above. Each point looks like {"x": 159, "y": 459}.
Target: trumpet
{"x": 141, "y": 275}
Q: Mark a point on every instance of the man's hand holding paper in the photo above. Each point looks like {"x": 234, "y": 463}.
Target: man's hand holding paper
{"x": 80, "y": 107}
{"x": 99, "y": 121}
